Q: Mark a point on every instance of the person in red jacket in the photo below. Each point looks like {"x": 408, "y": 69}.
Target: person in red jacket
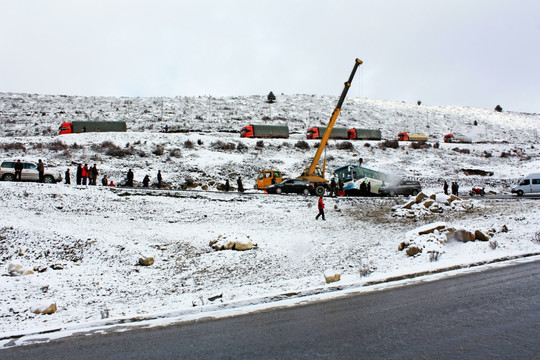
{"x": 321, "y": 209}
{"x": 85, "y": 174}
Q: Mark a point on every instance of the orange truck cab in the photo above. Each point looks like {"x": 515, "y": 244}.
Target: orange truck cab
{"x": 268, "y": 177}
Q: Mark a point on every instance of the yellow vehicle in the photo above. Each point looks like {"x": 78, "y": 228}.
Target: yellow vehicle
{"x": 313, "y": 173}
{"x": 268, "y": 177}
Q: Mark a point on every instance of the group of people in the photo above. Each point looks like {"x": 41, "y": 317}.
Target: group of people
{"x": 336, "y": 187}
{"x": 239, "y": 184}
{"x": 454, "y": 187}
{"x": 19, "y": 168}
{"x": 88, "y": 176}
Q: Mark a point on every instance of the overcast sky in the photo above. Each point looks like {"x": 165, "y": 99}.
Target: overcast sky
{"x": 462, "y": 52}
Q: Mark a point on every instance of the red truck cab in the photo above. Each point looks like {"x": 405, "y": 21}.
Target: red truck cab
{"x": 247, "y": 131}
{"x": 448, "y": 138}
{"x": 313, "y": 133}
{"x": 403, "y": 136}
{"x": 65, "y": 128}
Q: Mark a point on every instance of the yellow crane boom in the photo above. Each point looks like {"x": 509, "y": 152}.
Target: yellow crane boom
{"x": 311, "y": 174}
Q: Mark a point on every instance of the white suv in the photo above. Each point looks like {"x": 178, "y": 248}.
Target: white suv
{"x": 29, "y": 172}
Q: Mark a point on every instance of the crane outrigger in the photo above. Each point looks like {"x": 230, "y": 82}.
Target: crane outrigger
{"x": 313, "y": 173}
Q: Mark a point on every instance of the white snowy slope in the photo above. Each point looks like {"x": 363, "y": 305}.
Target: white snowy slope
{"x": 83, "y": 243}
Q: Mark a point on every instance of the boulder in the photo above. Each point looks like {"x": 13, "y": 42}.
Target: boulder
{"x": 331, "y": 276}
{"x": 413, "y": 250}
{"x": 420, "y": 197}
{"x": 452, "y": 198}
{"x": 428, "y": 203}
{"x": 409, "y": 204}
{"x": 221, "y": 243}
{"x": 429, "y": 229}
{"x": 481, "y": 236}
{"x": 464, "y": 235}
{"x": 15, "y": 269}
{"x": 403, "y": 245}
{"x": 146, "y": 261}
{"x": 243, "y": 245}
{"x": 46, "y": 309}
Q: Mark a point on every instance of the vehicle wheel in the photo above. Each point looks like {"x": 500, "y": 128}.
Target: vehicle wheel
{"x": 414, "y": 192}
{"x": 392, "y": 193}
{"x": 319, "y": 190}
{"x": 306, "y": 192}
{"x": 48, "y": 179}
{"x": 520, "y": 193}
{"x": 8, "y": 177}
{"x": 279, "y": 191}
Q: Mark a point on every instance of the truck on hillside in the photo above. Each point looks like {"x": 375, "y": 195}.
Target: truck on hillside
{"x": 453, "y": 138}
{"x": 405, "y": 136}
{"x": 318, "y": 132}
{"x": 92, "y": 126}
{"x": 265, "y": 131}
{"x": 313, "y": 174}
{"x": 364, "y": 134}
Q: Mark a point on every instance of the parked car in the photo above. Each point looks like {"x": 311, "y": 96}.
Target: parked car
{"x": 403, "y": 187}
{"x": 29, "y": 172}
{"x": 295, "y": 186}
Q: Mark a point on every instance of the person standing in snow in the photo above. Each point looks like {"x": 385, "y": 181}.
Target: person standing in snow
{"x": 68, "y": 176}
{"x": 445, "y": 187}
{"x": 333, "y": 191}
{"x": 129, "y": 178}
{"x": 239, "y": 183}
{"x": 94, "y": 175}
{"x": 227, "y": 185}
{"x": 41, "y": 170}
{"x": 104, "y": 180}
{"x": 146, "y": 181}
{"x": 84, "y": 174}
{"x": 18, "y": 169}
{"x": 159, "y": 179}
{"x": 79, "y": 174}
{"x": 320, "y": 206}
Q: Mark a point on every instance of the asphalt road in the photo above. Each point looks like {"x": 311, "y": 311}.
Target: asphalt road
{"x": 493, "y": 314}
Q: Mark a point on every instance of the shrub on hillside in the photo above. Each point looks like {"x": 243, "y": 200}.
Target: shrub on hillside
{"x": 345, "y": 145}
{"x": 393, "y": 144}
{"x": 111, "y": 149}
{"x": 302, "y": 145}
{"x": 188, "y": 144}
{"x": 462, "y": 151}
{"x": 419, "y": 145}
{"x": 221, "y": 145}
{"x": 58, "y": 146}
{"x": 241, "y": 147}
{"x": 176, "y": 153}
{"x": 159, "y": 150}
{"x": 13, "y": 146}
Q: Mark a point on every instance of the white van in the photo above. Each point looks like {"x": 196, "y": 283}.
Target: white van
{"x": 529, "y": 184}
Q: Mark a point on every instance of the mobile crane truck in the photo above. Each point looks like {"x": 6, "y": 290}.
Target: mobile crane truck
{"x": 313, "y": 173}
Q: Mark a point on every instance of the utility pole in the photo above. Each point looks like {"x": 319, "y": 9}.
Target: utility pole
{"x": 162, "y": 118}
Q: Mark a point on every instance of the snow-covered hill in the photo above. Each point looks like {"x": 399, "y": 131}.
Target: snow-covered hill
{"x": 505, "y": 143}
{"x": 83, "y": 243}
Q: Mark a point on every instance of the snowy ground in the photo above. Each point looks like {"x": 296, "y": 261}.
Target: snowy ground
{"x": 95, "y": 236}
